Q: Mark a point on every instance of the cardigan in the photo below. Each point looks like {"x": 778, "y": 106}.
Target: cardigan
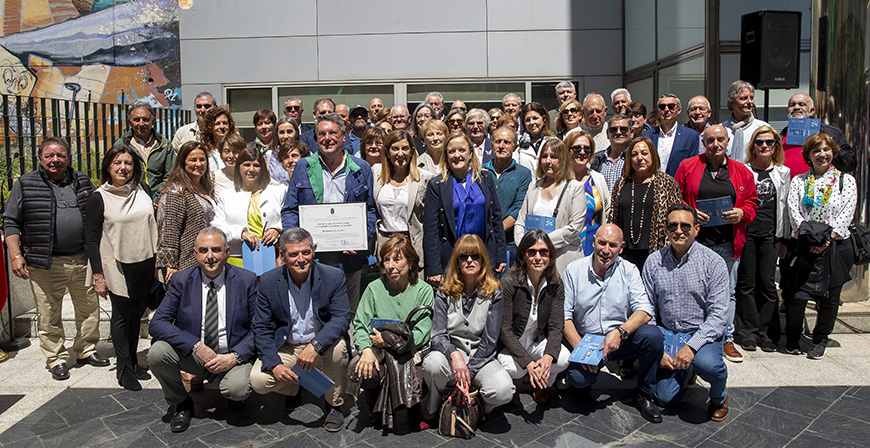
{"x": 666, "y": 193}
{"x": 416, "y": 195}
{"x": 183, "y": 219}
{"x": 517, "y": 307}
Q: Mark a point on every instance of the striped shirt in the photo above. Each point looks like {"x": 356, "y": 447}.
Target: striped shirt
{"x": 689, "y": 295}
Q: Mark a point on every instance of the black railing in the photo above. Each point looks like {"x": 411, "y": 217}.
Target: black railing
{"x": 90, "y": 128}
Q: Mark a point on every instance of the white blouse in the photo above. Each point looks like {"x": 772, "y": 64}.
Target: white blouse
{"x": 841, "y": 204}
{"x": 393, "y": 205}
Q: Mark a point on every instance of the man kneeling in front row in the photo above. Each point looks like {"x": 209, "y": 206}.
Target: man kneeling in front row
{"x": 203, "y": 327}
{"x": 302, "y": 319}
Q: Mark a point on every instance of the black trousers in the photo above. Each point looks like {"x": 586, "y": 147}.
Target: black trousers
{"x": 826, "y": 307}
{"x": 636, "y": 256}
{"x": 757, "y": 315}
{"x": 127, "y": 312}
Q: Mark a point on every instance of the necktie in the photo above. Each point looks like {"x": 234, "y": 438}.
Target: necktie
{"x": 210, "y": 326}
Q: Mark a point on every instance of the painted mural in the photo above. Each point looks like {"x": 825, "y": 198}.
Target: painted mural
{"x": 109, "y": 51}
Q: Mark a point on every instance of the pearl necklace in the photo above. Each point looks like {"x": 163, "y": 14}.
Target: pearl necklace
{"x": 631, "y": 215}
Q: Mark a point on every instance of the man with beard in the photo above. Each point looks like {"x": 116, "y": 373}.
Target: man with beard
{"x": 800, "y": 105}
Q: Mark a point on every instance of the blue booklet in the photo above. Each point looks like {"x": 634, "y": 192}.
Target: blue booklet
{"x": 801, "y": 128}
{"x": 313, "y": 381}
{"x": 258, "y": 261}
{"x": 588, "y": 351}
{"x": 714, "y": 209}
{"x": 545, "y": 223}
{"x": 378, "y": 323}
{"x": 674, "y": 341}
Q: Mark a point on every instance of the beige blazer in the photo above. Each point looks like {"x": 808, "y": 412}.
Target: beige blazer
{"x": 569, "y": 221}
{"x": 416, "y": 196}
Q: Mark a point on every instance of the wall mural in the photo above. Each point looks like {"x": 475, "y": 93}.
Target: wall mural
{"x": 91, "y": 50}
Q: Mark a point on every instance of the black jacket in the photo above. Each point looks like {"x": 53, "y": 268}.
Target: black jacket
{"x": 517, "y": 307}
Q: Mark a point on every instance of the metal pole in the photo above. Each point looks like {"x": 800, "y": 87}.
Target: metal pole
{"x": 767, "y": 105}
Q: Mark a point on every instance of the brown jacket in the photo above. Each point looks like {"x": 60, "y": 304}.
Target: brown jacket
{"x": 517, "y": 307}
{"x": 666, "y": 193}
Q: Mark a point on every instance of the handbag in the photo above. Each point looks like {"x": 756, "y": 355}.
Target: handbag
{"x": 459, "y": 415}
{"x": 399, "y": 336}
{"x": 860, "y": 239}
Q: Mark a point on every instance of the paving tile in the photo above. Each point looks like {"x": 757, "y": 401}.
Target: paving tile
{"x": 774, "y": 420}
{"x": 87, "y": 433}
{"x": 91, "y": 409}
{"x": 300, "y": 440}
{"x": 828, "y": 393}
{"x": 809, "y": 439}
{"x": 746, "y": 397}
{"x": 841, "y": 428}
{"x": 135, "y": 420}
{"x": 735, "y": 434}
{"x": 795, "y": 403}
{"x": 477, "y": 442}
{"x": 852, "y": 407}
{"x": 860, "y": 392}
{"x": 687, "y": 428}
{"x": 138, "y": 439}
{"x": 131, "y": 400}
{"x": 198, "y": 428}
{"x": 617, "y": 420}
{"x": 641, "y": 440}
{"x": 41, "y": 422}
{"x": 573, "y": 435}
{"x": 32, "y": 442}
{"x": 247, "y": 436}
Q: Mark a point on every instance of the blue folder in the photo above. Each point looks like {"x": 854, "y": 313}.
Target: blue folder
{"x": 313, "y": 381}
{"x": 588, "y": 350}
{"x": 258, "y": 261}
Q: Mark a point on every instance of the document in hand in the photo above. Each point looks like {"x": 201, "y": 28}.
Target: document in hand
{"x": 714, "y": 209}
{"x": 801, "y": 128}
{"x": 258, "y": 261}
{"x": 674, "y": 341}
{"x": 378, "y": 323}
{"x": 545, "y": 223}
{"x": 588, "y": 350}
{"x": 313, "y": 381}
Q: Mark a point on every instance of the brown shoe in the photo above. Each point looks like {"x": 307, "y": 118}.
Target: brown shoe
{"x": 731, "y": 352}
{"x": 540, "y": 396}
{"x": 718, "y": 413}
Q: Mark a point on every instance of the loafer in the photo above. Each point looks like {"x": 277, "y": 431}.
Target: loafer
{"x": 541, "y": 396}
{"x": 95, "y": 360}
{"x": 718, "y": 413}
{"x": 60, "y": 372}
{"x": 183, "y": 414}
{"x": 334, "y": 419}
{"x": 731, "y": 352}
{"x": 648, "y": 409}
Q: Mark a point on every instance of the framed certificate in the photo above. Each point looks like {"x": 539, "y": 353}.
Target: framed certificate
{"x": 336, "y": 227}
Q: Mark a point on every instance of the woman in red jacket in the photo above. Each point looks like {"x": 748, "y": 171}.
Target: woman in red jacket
{"x": 712, "y": 176}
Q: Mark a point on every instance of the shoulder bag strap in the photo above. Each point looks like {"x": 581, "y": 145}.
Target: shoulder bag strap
{"x": 561, "y": 195}
{"x": 415, "y": 310}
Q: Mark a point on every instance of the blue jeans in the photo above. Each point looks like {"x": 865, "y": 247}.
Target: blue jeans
{"x": 708, "y": 364}
{"x": 726, "y": 251}
{"x": 646, "y": 343}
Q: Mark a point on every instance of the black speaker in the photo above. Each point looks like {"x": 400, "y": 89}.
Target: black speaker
{"x": 770, "y": 49}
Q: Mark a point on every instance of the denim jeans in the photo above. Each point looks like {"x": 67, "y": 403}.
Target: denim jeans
{"x": 646, "y": 343}
{"x": 726, "y": 251}
{"x": 708, "y": 364}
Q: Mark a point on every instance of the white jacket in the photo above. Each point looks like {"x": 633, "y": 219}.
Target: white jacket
{"x": 231, "y": 213}
{"x": 781, "y": 178}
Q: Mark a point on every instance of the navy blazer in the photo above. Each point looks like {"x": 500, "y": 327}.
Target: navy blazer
{"x": 178, "y": 319}
{"x": 439, "y": 224}
{"x": 272, "y": 317}
{"x": 686, "y": 144}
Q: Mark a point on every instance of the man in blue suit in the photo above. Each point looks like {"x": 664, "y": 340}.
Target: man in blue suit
{"x": 301, "y": 320}
{"x": 331, "y": 176}
{"x": 674, "y": 142}
{"x": 203, "y": 327}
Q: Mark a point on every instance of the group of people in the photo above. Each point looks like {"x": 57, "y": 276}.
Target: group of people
{"x": 500, "y": 245}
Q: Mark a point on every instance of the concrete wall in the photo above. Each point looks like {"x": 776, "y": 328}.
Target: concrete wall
{"x": 312, "y": 41}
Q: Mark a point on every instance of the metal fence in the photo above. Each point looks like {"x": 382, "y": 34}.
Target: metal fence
{"x": 90, "y": 128}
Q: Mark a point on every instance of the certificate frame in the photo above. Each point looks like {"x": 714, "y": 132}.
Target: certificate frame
{"x": 336, "y": 227}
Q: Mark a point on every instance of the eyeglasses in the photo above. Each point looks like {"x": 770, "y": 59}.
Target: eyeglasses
{"x": 684, "y": 226}
{"x": 572, "y": 110}
{"x": 292, "y": 108}
{"x": 769, "y": 142}
{"x": 474, "y": 257}
{"x": 203, "y": 106}
{"x": 671, "y": 106}
{"x": 530, "y": 253}
{"x": 618, "y": 129}
{"x": 455, "y": 121}
{"x": 577, "y": 149}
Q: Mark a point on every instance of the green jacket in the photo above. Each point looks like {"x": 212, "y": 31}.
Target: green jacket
{"x": 159, "y": 163}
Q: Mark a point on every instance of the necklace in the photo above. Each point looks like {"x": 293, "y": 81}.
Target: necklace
{"x": 631, "y": 216}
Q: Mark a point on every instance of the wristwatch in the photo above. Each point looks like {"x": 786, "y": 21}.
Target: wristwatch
{"x": 317, "y": 347}
{"x": 238, "y": 358}
{"x": 623, "y": 333}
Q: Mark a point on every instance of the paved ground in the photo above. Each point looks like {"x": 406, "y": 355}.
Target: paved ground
{"x": 775, "y": 399}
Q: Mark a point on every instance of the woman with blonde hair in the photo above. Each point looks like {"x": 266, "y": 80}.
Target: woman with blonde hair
{"x": 465, "y": 330}
{"x": 570, "y": 117}
{"x": 434, "y": 136}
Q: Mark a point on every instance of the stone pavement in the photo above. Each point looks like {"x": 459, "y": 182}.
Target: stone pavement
{"x": 775, "y": 399}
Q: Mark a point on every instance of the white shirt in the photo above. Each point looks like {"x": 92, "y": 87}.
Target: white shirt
{"x": 393, "y": 204}
{"x": 219, "y": 286}
{"x": 527, "y": 339}
{"x": 546, "y": 208}
{"x": 666, "y": 143}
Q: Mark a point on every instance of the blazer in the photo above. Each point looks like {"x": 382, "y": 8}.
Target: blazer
{"x": 231, "y": 213}
{"x": 781, "y": 178}
{"x": 570, "y": 221}
{"x": 271, "y": 323}
{"x": 416, "y": 196}
{"x": 306, "y": 187}
{"x": 685, "y": 145}
{"x": 517, "y": 307}
{"x": 178, "y": 319}
{"x": 439, "y": 224}
{"x": 689, "y": 179}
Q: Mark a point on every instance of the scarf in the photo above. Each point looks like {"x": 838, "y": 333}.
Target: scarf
{"x": 818, "y": 203}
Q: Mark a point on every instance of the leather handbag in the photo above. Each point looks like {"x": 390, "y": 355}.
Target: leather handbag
{"x": 399, "y": 336}
{"x": 460, "y": 415}
{"x": 860, "y": 243}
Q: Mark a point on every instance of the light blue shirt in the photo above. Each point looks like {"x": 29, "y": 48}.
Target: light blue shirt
{"x": 598, "y": 305}
{"x": 334, "y": 184}
{"x": 303, "y": 324}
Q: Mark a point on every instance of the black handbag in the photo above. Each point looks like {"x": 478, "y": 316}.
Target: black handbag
{"x": 459, "y": 415}
{"x": 860, "y": 239}
{"x": 399, "y": 336}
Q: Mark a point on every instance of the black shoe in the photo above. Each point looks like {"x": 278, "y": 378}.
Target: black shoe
{"x": 60, "y": 372}
{"x": 583, "y": 394}
{"x": 141, "y": 374}
{"x": 817, "y": 351}
{"x": 768, "y": 346}
{"x": 647, "y": 408}
{"x": 95, "y": 360}
{"x": 236, "y": 404}
{"x": 334, "y": 419}
{"x": 292, "y": 401}
{"x": 749, "y": 345}
{"x": 128, "y": 380}
{"x": 183, "y": 414}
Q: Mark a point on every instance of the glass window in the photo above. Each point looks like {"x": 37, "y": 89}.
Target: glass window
{"x": 680, "y": 25}
{"x": 350, "y": 95}
{"x": 475, "y": 95}
{"x": 245, "y": 102}
{"x": 684, "y": 80}
{"x": 545, "y": 93}
{"x": 640, "y": 38}
{"x": 642, "y": 92}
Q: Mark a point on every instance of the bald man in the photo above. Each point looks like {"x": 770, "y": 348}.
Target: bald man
{"x": 800, "y": 105}
{"x": 604, "y": 295}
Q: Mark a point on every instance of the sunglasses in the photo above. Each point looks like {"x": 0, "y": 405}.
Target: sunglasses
{"x": 572, "y": 110}
{"x": 530, "y": 253}
{"x": 292, "y": 108}
{"x": 769, "y": 142}
{"x": 671, "y": 106}
{"x": 456, "y": 121}
{"x": 474, "y": 257}
{"x": 618, "y": 129}
{"x": 577, "y": 149}
{"x": 684, "y": 226}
